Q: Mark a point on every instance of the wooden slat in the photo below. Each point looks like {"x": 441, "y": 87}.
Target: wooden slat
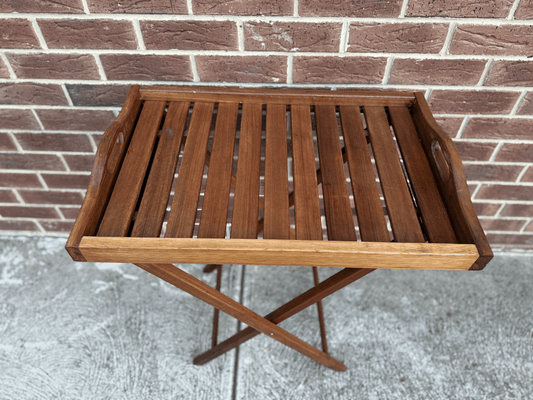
{"x": 187, "y": 191}
{"x": 281, "y": 252}
{"x": 246, "y": 201}
{"x": 370, "y": 217}
{"x": 339, "y": 219}
{"x": 119, "y": 212}
{"x": 306, "y": 203}
{"x": 155, "y": 197}
{"x": 276, "y": 220}
{"x": 402, "y": 214}
{"x": 216, "y": 197}
{"x": 274, "y": 96}
{"x": 423, "y": 184}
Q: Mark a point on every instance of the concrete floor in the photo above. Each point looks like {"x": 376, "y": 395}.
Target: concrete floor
{"x": 111, "y": 331}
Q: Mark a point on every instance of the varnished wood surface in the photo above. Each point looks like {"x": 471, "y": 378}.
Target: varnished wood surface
{"x": 280, "y": 252}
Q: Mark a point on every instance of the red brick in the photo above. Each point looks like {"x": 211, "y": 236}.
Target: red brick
{"x": 529, "y": 228}
{"x": 436, "y": 72}
{"x": 515, "y": 152}
{"x": 42, "y": 6}
{"x": 473, "y": 151}
{"x": 486, "y": 209}
{"x": 499, "y": 128}
{"x": 17, "y": 34}
{"x": 517, "y": 210}
{"x": 138, "y": 6}
{"x": 525, "y": 10}
{"x": 45, "y": 197}
{"x": 338, "y": 70}
{"x": 18, "y": 119}
{"x": 510, "y": 73}
{"x": 54, "y": 66}
{"x": 70, "y": 212}
{"x": 54, "y": 142}
{"x": 7, "y": 196}
{"x": 459, "y": 8}
{"x": 505, "y": 192}
{"x": 19, "y": 180}
{"x": 6, "y": 143}
{"x": 4, "y": 72}
{"x": 28, "y": 212}
{"x": 242, "y": 7}
{"x": 95, "y": 34}
{"x": 526, "y": 108}
{"x": 528, "y": 176}
{"x": 47, "y": 162}
{"x": 510, "y": 239}
{"x": 291, "y": 36}
{"x": 488, "y": 172}
{"x": 472, "y": 102}
{"x": 450, "y": 125}
{"x": 66, "y": 181}
{"x": 397, "y": 38}
{"x": 502, "y": 224}
{"x": 510, "y": 40}
{"x": 79, "y": 162}
{"x": 354, "y": 8}
{"x": 146, "y": 67}
{"x": 98, "y": 95}
{"x": 57, "y": 226}
{"x": 15, "y": 225}
{"x": 190, "y": 35}
{"x": 32, "y": 94}
{"x": 272, "y": 69}
{"x": 76, "y": 120}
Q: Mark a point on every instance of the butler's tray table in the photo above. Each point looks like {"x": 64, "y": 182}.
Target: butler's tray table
{"x": 353, "y": 179}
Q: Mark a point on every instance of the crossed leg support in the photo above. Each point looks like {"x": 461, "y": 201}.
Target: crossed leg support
{"x": 256, "y": 323}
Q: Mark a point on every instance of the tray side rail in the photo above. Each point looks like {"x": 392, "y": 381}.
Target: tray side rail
{"x": 449, "y": 174}
{"x": 108, "y": 159}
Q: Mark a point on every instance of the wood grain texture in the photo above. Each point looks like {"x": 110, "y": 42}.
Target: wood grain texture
{"x": 451, "y": 184}
{"x": 280, "y": 252}
{"x": 370, "y": 216}
{"x": 187, "y": 191}
{"x": 118, "y": 215}
{"x": 216, "y": 197}
{"x": 276, "y": 219}
{"x": 246, "y": 201}
{"x": 155, "y": 196}
{"x": 402, "y": 213}
{"x": 306, "y": 204}
{"x": 434, "y": 214}
{"x": 275, "y": 96}
{"x": 206, "y": 293}
{"x": 339, "y": 219}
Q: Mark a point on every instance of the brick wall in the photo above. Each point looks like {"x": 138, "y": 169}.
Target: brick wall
{"x": 66, "y": 65}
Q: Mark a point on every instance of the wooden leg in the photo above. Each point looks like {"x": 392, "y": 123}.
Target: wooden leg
{"x": 320, "y": 315}
{"x": 206, "y": 293}
{"x": 323, "y": 289}
{"x": 208, "y": 269}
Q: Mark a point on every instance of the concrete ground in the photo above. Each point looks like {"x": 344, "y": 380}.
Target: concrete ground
{"x": 111, "y": 331}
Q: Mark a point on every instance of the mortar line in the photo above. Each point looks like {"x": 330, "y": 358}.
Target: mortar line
{"x": 427, "y": 95}
{"x": 522, "y": 173}
{"x": 189, "y": 7}
{"x": 138, "y": 33}
{"x": 38, "y": 33}
{"x": 42, "y": 181}
{"x": 500, "y": 209}
{"x": 240, "y": 36}
{"x": 100, "y": 66}
{"x": 296, "y": 9}
{"x": 58, "y": 210}
{"x": 518, "y": 103}
{"x": 37, "y": 118}
{"x": 462, "y": 128}
{"x": 67, "y": 94}
{"x": 526, "y": 223}
{"x": 403, "y": 9}
{"x": 447, "y": 42}
{"x": 388, "y": 69}
{"x": 10, "y": 69}
{"x": 16, "y": 142}
{"x": 18, "y": 196}
{"x": 194, "y": 70}
{"x": 93, "y": 143}
{"x": 38, "y": 225}
{"x": 85, "y": 7}
{"x": 343, "y": 45}
{"x": 513, "y": 9}
{"x": 36, "y": 171}
{"x": 495, "y": 152}
{"x": 488, "y": 67}
{"x": 290, "y": 66}
{"x": 46, "y": 107}
{"x": 476, "y": 190}
{"x": 62, "y": 159}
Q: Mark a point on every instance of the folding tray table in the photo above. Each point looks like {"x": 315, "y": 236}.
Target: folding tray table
{"x": 216, "y": 176}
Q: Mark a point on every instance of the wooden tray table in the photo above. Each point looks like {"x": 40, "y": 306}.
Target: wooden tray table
{"x": 216, "y": 176}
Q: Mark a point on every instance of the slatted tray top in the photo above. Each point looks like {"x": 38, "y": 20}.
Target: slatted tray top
{"x": 204, "y": 175}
